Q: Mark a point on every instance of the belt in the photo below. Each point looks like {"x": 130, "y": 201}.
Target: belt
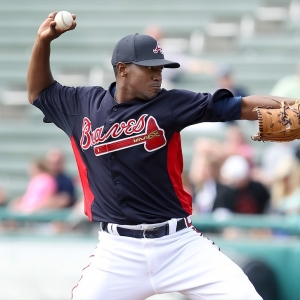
{"x": 149, "y": 233}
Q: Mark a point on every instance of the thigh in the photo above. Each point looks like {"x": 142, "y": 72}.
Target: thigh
{"x": 117, "y": 270}
{"x": 198, "y": 270}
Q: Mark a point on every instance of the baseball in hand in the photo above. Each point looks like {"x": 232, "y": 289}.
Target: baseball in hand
{"x": 63, "y": 20}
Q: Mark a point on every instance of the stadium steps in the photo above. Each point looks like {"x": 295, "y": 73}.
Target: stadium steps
{"x": 258, "y": 61}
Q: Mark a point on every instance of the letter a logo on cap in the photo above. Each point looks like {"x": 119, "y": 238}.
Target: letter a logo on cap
{"x": 158, "y": 48}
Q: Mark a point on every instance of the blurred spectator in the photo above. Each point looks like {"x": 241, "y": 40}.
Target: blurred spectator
{"x": 226, "y": 80}
{"x": 40, "y": 190}
{"x": 3, "y": 197}
{"x": 65, "y": 194}
{"x": 235, "y": 143}
{"x": 204, "y": 174}
{"x": 187, "y": 186}
{"x": 207, "y": 186}
{"x": 205, "y": 147}
{"x": 288, "y": 86}
{"x": 188, "y": 64}
{"x": 272, "y": 154}
{"x": 77, "y": 220}
{"x": 297, "y": 152}
{"x": 285, "y": 190}
{"x": 239, "y": 193}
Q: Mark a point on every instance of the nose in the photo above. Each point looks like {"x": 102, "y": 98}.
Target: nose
{"x": 157, "y": 75}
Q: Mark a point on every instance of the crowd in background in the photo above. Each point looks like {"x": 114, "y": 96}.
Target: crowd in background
{"x": 224, "y": 177}
{"x": 49, "y": 187}
{"x": 232, "y": 181}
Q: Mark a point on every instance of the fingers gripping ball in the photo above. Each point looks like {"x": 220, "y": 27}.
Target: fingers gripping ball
{"x": 278, "y": 124}
{"x": 63, "y": 20}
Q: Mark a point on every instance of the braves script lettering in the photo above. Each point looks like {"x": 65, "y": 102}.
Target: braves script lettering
{"x": 153, "y": 137}
{"x": 90, "y": 138}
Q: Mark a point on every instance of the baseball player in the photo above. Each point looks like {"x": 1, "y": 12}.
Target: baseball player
{"x": 126, "y": 141}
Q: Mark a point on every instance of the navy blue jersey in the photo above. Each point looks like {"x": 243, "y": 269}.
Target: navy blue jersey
{"x": 129, "y": 155}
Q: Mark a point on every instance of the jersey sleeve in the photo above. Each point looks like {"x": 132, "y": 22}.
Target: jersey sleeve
{"x": 60, "y": 105}
{"x": 190, "y": 108}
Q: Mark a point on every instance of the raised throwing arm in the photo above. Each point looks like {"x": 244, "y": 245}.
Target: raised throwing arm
{"x": 39, "y": 74}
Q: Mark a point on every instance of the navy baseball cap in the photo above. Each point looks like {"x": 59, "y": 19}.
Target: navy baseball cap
{"x": 141, "y": 50}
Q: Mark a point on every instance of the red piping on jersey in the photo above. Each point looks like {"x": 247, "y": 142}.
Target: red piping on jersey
{"x": 87, "y": 192}
{"x": 175, "y": 168}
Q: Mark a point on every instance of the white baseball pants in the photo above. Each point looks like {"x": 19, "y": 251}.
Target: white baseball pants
{"x": 124, "y": 268}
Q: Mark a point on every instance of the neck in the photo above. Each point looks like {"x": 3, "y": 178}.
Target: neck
{"x": 124, "y": 93}
{"x": 115, "y": 97}
{"x": 121, "y": 94}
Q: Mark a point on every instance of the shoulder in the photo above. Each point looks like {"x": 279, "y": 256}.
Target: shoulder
{"x": 56, "y": 86}
{"x": 93, "y": 89}
{"x": 177, "y": 92}
{"x": 58, "y": 93}
{"x": 174, "y": 94}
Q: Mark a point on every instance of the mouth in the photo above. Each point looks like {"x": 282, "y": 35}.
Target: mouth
{"x": 157, "y": 87}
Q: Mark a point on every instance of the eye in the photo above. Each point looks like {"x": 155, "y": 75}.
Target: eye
{"x": 160, "y": 68}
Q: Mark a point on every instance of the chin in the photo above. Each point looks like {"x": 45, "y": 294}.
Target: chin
{"x": 151, "y": 96}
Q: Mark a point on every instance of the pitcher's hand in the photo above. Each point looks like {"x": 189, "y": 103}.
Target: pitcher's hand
{"x": 49, "y": 32}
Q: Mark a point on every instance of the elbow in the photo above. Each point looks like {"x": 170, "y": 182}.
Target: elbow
{"x": 31, "y": 97}
{"x": 34, "y": 90}
{"x": 32, "y": 94}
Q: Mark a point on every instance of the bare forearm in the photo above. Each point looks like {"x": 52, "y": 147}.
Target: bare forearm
{"x": 39, "y": 74}
{"x": 249, "y": 102}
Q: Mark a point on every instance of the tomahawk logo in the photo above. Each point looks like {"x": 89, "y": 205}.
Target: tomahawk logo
{"x": 152, "y": 137}
{"x": 158, "y": 48}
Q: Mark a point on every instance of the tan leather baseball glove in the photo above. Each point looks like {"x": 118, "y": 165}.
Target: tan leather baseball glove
{"x": 278, "y": 124}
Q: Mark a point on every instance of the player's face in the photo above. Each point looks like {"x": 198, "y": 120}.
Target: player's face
{"x": 144, "y": 82}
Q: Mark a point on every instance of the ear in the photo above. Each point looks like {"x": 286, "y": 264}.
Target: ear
{"x": 121, "y": 69}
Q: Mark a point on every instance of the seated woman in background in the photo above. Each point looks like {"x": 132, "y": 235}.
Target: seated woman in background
{"x": 285, "y": 189}
{"x": 40, "y": 190}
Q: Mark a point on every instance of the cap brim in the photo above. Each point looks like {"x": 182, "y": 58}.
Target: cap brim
{"x": 157, "y": 62}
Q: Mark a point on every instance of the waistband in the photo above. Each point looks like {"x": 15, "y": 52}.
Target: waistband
{"x": 150, "y": 231}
